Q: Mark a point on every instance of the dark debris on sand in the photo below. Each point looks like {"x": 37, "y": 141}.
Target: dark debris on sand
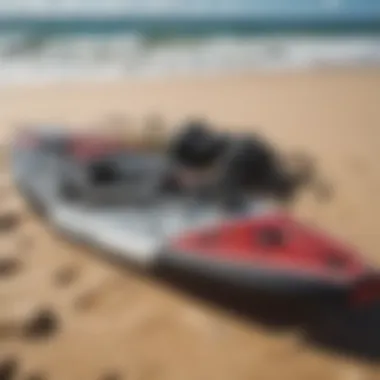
{"x": 43, "y": 324}
{"x": 9, "y": 267}
{"x": 9, "y": 221}
{"x": 8, "y": 369}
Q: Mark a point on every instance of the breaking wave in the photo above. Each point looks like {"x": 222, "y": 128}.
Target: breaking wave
{"x": 26, "y": 57}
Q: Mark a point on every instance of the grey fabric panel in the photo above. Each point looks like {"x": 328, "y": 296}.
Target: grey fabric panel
{"x": 137, "y": 233}
{"x": 134, "y": 230}
{"x": 140, "y": 182}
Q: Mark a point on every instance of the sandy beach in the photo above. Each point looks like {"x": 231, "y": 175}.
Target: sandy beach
{"x": 118, "y": 324}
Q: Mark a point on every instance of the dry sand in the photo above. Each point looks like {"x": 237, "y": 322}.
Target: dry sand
{"x": 117, "y": 324}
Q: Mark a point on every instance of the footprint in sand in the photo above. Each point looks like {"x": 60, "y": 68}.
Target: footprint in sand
{"x": 323, "y": 191}
{"x": 98, "y": 294}
{"x": 110, "y": 376}
{"x": 35, "y": 376}
{"x": 9, "y": 221}
{"x": 86, "y": 301}
{"x": 66, "y": 276}
{"x": 12, "y": 248}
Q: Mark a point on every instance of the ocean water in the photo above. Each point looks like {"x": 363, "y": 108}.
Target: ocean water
{"x": 51, "y": 46}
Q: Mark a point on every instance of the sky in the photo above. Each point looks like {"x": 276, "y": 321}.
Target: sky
{"x": 197, "y": 7}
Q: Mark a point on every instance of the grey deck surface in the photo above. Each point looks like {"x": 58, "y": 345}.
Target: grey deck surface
{"x": 110, "y": 217}
{"x": 137, "y": 232}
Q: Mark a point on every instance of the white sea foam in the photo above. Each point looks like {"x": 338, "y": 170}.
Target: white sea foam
{"x": 116, "y": 56}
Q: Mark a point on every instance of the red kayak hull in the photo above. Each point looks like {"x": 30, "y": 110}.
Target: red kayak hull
{"x": 273, "y": 252}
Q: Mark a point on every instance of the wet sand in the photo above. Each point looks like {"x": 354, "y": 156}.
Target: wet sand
{"x": 115, "y": 323}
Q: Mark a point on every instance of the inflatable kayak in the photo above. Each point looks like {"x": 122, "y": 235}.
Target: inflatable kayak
{"x": 124, "y": 212}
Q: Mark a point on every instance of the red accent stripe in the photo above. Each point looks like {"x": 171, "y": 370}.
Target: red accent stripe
{"x": 302, "y": 249}
{"x": 94, "y": 147}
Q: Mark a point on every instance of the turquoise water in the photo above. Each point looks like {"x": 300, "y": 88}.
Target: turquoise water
{"x": 191, "y": 26}
{"x": 337, "y": 9}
